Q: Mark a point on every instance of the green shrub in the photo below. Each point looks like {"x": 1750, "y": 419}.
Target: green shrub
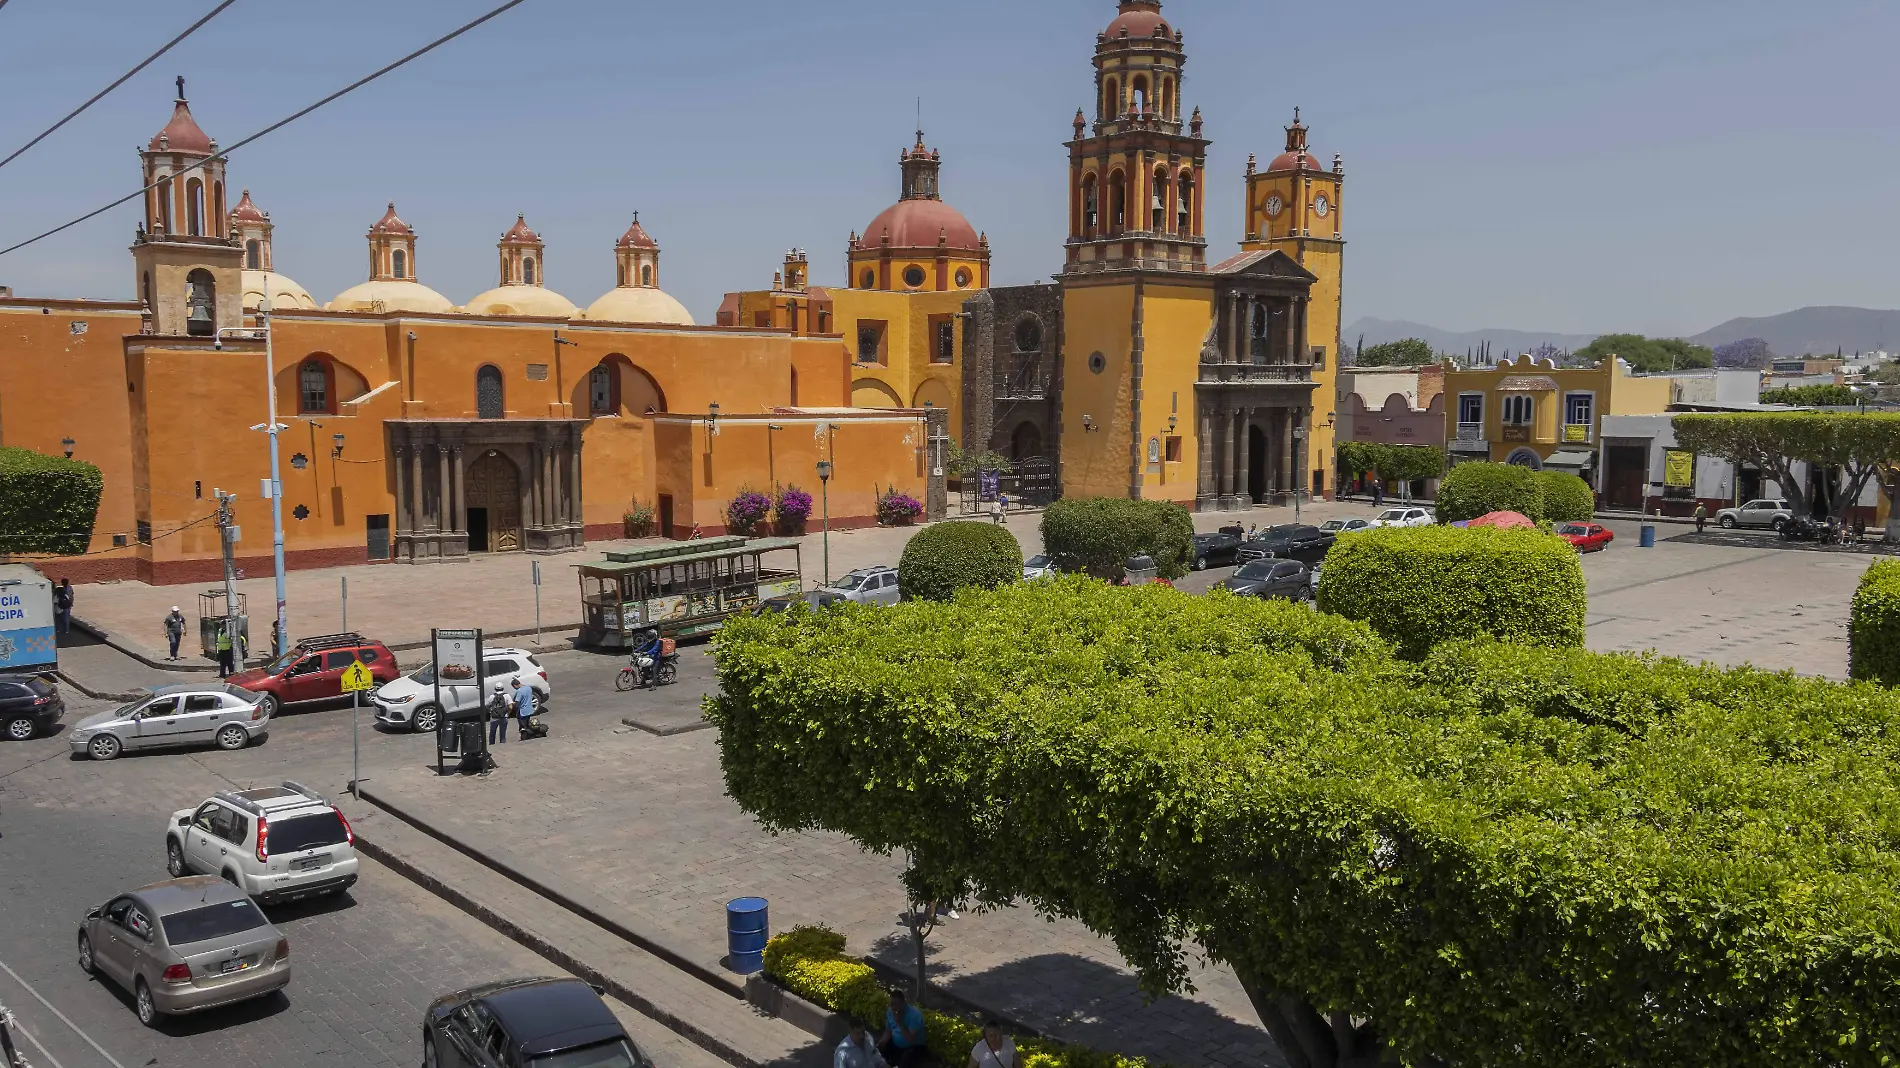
{"x": 943, "y": 559}
{"x": 1470, "y": 490}
{"x": 1873, "y": 629}
{"x": 1097, "y": 535}
{"x": 1421, "y": 587}
{"x": 48, "y": 504}
{"x": 1567, "y": 498}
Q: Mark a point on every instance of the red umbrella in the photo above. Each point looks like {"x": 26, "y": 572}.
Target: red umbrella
{"x": 1503, "y": 520}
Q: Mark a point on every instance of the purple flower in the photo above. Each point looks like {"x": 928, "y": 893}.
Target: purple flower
{"x": 747, "y": 511}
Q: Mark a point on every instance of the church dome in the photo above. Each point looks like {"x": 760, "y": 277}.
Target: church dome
{"x": 182, "y": 133}
{"x": 639, "y": 304}
{"x": 391, "y": 296}
{"x": 1140, "y": 18}
{"x": 522, "y": 300}
{"x": 918, "y": 223}
{"x": 1295, "y": 161}
{"x": 284, "y": 293}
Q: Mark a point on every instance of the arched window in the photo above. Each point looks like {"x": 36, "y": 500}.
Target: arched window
{"x": 646, "y": 274}
{"x": 1158, "y": 209}
{"x": 527, "y": 269}
{"x": 488, "y": 393}
{"x": 1111, "y": 100}
{"x": 1184, "y": 216}
{"x": 195, "y": 208}
{"x": 253, "y": 255}
{"x": 165, "y": 205}
{"x": 313, "y": 388}
{"x": 202, "y": 303}
{"x": 869, "y": 281}
{"x": 1167, "y": 99}
{"x": 1117, "y": 203}
{"x": 603, "y": 390}
{"x": 1091, "y": 206}
{"x": 399, "y": 263}
{"x": 620, "y": 275}
{"x": 1029, "y": 335}
{"x": 217, "y": 205}
{"x": 1138, "y": 94}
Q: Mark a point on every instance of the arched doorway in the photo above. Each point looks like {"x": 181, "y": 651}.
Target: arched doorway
{"x": 1526, "y": 458}
{"x": 494, "y": 504}
{"x": 1025, "y": 441}
{"x": 1256, "y": 465}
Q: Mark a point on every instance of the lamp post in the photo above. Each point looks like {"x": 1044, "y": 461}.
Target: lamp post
{"x": 67, "y": 444}
{"x": 280, "y": 630}
{"x": 824, "y": 494}
{"x": 1299, "y": 468}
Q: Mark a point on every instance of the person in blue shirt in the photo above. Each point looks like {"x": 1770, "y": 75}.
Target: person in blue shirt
{"x": 524, "y": 703}
{"x": 903, "y": 1045}
{"x": 649, "y": 648}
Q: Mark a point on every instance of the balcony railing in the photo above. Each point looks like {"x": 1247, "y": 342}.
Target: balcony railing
{"x": 1470, "y": 431}
{"x": 1297, "y": 373}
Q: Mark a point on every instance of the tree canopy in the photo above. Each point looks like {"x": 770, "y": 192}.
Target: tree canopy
{"x": 1825, "y": 395}
{"x": 1855, "y": 447}
{"x": 1406, "y": 352}
{"x": 1394, "y": 463}
{"x": 1750, "y": 352}
{"x": 48, "y": 504}
{"x": 1500, "y": 855}
{"x": 1646, "y": 354}
{"x": 1098, "y": 535}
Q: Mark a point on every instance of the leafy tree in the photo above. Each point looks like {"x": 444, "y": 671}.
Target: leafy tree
{"x": 1501, "y": 855}
{"x": 1816, "y": 396}
{"x": 1408, "y": 352}
{"x": 1393, "y": 463}
{"x": 1646, "y": 354}
{"x": 1750, "y": 352}
{"x": 965, "y": 463}
{"x": 48, "y": 504}
{"x": 1097, "y": 535}
{"x": 1852, "y": 447}
{"x": 942, "y": 559}
{"x": 1470, "y": 490}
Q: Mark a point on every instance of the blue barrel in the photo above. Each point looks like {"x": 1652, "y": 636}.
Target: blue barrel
{"x": 746, "y": 932}
{"x": 1648, "y": 537}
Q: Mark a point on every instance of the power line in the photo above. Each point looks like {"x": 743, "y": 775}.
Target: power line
{"x": 123, "y": 78}
{"x": 273, "y": 127}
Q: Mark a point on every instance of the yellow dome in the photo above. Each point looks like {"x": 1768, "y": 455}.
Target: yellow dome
{"x": 391, "y": 297}
{"x": 639, "y": 304}
{"x": 522, "y": 300}
{"x": 284, "y": 293}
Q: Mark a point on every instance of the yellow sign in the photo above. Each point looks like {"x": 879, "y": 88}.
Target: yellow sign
{"x": 1678, "y": 468}
{"x": 1577, "y": 432}
{"x": 357, "y": 677}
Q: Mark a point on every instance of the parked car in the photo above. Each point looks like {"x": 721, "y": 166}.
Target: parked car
{"x": 313, "y": 670}
{"x": 869, "y": 585}
{"x": 1295, "y": 541}
{"x": 1337, "y": 527}
{"x": 1267, "y": 579}
{"x": 411, "y": 702}
{"x": 1039, "y": 566}
{"x": 530, "y": 1023}
{"x": 1758, "y": 513}
{"x": 817, "y": 599}
{"x": 1586, "y": 537}
{"x": 220, "y": 714}
{"x": 1404, "y": 517}
{"x": 1213, "y": 550}
{"x": 184, "y": 946}
{"x": 278, "y": 843}
{"x": 28, "y": 706}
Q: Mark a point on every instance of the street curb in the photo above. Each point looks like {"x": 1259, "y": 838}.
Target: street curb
{"x": 659, "y": 945}
{"x": 139, "y": 653}
{"x": 665, "y": 732}
{"x": 534, "y": 942}
{"x": 97, "y": 695}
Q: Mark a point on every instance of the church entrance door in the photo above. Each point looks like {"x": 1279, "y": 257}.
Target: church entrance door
{"x": 494, "y": 504}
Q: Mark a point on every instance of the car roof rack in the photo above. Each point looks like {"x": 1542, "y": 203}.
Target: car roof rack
{"x": 295, "y": 787}
{"x": 231, "y": 797}
{"x": 329, "y": 641}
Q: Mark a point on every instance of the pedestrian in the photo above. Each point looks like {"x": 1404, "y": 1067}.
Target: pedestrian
{"x": 995, "y": 1049}
{"x": 524, "y": 705}
{"x": 903, "y": 1045}
{"x": 1378, "y": 494}
{"x": 174, "y": 631}
{"x": 63, "y": 607}
{"x": 856, "y": 1050}
{"x": 1701, "y": 515}
{"x": 996, "y": 510}
{"x": 225, "y": 667}
{"x": 498, "y": 709}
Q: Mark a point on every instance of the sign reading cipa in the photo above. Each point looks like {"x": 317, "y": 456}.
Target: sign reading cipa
{"x": 27, "y": 642}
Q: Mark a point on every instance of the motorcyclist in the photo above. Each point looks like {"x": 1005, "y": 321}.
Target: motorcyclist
{"x": 646, "y": 656}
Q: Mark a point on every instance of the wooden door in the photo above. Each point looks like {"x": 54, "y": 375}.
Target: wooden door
{"x": 494, "y": 486}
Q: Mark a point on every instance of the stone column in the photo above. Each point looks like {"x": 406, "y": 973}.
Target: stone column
{"x": 1242, "y": 481}
{"x": 1236, "y": 335}
{"x": 415, "y": 490}
{"x": 442, "y": 497}
{"x": 1292, "y": 330}
{"x": 574, "y": 486}
{"x": 402, "y": 489}
{"x": 458, "y": 514}
{"x": 1206, "y": 446}
{"x": 1289, "y": 465}
{"x": 1300, "y": 354}
{"x": 1225, "y": 432}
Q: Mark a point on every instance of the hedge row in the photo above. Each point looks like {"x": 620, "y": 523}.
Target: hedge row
{"x": 1470, "y": 490}
{"x": 1097, "y": 535}
{"x": 1873, "y": 630}
{"x": 942, "y": 559}
{"x": 48, "y": 504}
{"x": 811, "y": 962}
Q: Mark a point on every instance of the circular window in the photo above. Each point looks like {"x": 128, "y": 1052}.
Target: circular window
{"x": 913, "y": 276}
{"x": 1097, "y": 362}
{"x": 1029, "y": 336}
{"x": 870, "y": 280}
{"x": 963, "y": 278}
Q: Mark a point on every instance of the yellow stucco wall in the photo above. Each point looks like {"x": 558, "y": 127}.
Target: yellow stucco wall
{"x": 1175, "y": 321}
{"x": 1616, "y": 392}
{"x": 1096, "y": 318}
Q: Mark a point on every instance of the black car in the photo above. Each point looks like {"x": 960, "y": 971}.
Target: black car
{"x": 1267, "y": 579}
{"x": 1212, "y": 550}
{"x": 28, "y": 706}
{"x": 817, "y": 599}
{"x": 526, "y": 1023}
{"x": 1289, "y": 541}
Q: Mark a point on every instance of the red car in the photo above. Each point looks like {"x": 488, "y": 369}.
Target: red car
{"x": 1586, "y": 537}
{"x": 313, "y": 670}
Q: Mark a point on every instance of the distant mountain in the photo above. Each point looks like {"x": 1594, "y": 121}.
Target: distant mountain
{"x": 1503, "y": 342}
{"x": 1795, "y": 333}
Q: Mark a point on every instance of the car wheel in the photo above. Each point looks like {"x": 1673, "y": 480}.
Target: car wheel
{"x": 85, "y": 954}
{"x": 144, "y": 1005}
{"x": 233, "y": 738}
{"x": 230, "y": 876}
{"x": 540, "y": 700}
{"x": 19, "y": 730}
{"x": 426, "y": 718}
{"x": 429, "y": 1059}
{"x": 104, "y": 747}
{"x": 1727, "y": 522}
{"x": 1780, "y": 521}
{"x": 269, "y": 705}
{"x": 1199, "y": 564}
{"x": 175, "y": 859}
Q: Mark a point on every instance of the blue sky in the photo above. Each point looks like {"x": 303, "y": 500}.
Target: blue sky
{"x": 1606, "y": 166}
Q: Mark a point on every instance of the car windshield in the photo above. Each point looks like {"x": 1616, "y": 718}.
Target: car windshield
{"x": 424, "y": 675}
{"x": 212, "y": 921}
{"x": 1573, "y": 528}
{"x": 1259, "y": 569}
{"x": 298, "y": 833}
{"x": 613, "y": 1053}
{"x": 1333, "y": 524}
{"x": 282, "y": 663}
{"x": 849, "y": 582}
{"x": 1036, "y": 561}
{"x": 1392, "y": 513}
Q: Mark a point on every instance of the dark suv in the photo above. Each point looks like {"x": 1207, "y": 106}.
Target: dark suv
{"x": 28, "y": 706}
{"x": 1211, "y": 550}
{"x": 313, "y": 670}
{"x": 1289, "y": 541}
{"x": 526, "y": 1023}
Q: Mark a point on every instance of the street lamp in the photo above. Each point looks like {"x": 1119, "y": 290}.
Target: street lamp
{"x": 280, "y": 633}
{"x": 824, "y": 492}
{"x": 336, "y": 440}
{"x": 712, "y": 418}
{"x": 67, "y": 443}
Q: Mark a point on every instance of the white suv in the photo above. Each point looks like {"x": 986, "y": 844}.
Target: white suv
{"x": 279, "y": 843}
{"x": 869, "y": 585}
{"x": 410, "y": 702}
{"x": 1403, "y": 517}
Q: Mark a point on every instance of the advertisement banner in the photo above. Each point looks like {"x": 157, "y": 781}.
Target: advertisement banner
{"x": 458, "y": 657}
{"x": 665, "y": 610}
{"x": 1678, "y": 468}
{"x": 786, "y": 588}
{"x": 26, "y": 623}
{"x": 1576, "y": 432}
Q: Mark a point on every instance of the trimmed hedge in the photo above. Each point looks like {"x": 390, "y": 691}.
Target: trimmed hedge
{"x": 1421, "y": 587}
{"x": 942, "y": 559}
{"x": 1470, "y": 490}
{"x": 811, "y": 962}
{"x": 1567, "y": 498}
{"x": 48, "y": 504}
{"x": 1873, "y": 628}
{"x": 1097, "y": 535}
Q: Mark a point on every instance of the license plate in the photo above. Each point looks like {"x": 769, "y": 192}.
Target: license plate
{"x": 230, "y": 966}
{"x": 307, "y": 863}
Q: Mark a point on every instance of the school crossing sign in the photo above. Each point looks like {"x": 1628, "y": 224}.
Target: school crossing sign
{"x": 356, "y": 678}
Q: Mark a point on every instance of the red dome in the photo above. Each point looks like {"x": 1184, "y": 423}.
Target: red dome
{"x": 1139, "y": 18}
{"x": 636, "y": 236}
{"x": 390, "y": 224}
{"x": 519, "y": 232}
{"x": 918, "y": 223}
{"x": 1293, "y": 161}
{"x": 181, "y": 134}
{"x": 246, "y": 210}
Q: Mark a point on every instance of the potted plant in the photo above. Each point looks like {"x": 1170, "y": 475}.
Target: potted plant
{"x": 792, "y": 509}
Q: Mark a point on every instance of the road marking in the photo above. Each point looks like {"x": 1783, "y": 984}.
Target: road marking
{"x": 37, "y": 1044}
{"x": 110, "y": 1059}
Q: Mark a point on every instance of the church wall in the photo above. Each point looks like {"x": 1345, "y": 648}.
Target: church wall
{"x": 1175, "y": 321}
{"x": 1096, "y": 318}
{"x": 907, "y": 370}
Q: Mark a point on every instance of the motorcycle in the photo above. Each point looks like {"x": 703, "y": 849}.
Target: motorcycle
{"x": 647, "y": 672}
{"x": 1801, "y": 528}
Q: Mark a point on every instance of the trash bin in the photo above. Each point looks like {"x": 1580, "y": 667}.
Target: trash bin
{"x": 746, "y": 934}
{"x": 1648, "y": 538}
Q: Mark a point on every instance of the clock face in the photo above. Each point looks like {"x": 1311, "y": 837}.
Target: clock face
{"x": 1322, "y": 207}
{"x": 1274, "y": 204}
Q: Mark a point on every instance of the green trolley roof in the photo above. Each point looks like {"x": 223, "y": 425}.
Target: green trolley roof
{"x": 690, "y": 552}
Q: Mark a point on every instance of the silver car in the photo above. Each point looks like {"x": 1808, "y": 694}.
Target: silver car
{"x": 1762, "y": 513}
{"x": 229, "y": 717}
{"x": 869, "y": 585}
{"x": 184, "y": 946}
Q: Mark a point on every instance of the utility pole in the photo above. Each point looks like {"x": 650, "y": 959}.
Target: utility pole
{"x": 228, "y": 532}
{"x": 280, "y": 634}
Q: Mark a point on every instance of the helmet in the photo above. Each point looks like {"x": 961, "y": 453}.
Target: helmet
{"x": 499, "y": 688}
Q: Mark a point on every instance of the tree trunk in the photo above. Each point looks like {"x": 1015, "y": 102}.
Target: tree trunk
{"x": 1891, "y": 488}
{"x": 1308, "y": 1039}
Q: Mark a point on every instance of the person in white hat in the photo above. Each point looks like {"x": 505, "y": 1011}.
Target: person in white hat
{"x": 174, "y": 631}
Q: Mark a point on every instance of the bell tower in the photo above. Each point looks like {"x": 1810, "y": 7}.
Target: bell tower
{"x": 187, "y": 263}
{"x": 1135, "y": 173}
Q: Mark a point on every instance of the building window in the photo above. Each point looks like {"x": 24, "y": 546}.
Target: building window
{"x": 1091, "y": 206}
{"x": 313, "y": 387}
{"x": 1029, "y": 336}
{"x": 1470, "y": 409}
{"x": 1097, "y": 362}
{"x": 646, "y": 274}
{"x": 1117, "y": 203}
{"x": 527, "y": 269}
{"x": 600, "y": 391}
{"x": 1519, "y": 410}
{"x": 1185, "y": 209}
{"x": 913, "y": 276}
{"x": 144, "y": 531}
{"x": 164, "y": 218}
{"x": 194, "y": 207}
{"x": 399, "y": 263}
{"x": 488, "y": 398}
{"x": 202, "y": 300}
{"x": 1578, "y": 408}
{"x": 963, "y": 278}
{"x": 870, "y": 342}
{"x": 1158, "y": 202}
{"x": 1174, "y": 449}
{"x": 253, "y": 256}
{"x": 869, "y": 281}
{"x": 946, "y": 350}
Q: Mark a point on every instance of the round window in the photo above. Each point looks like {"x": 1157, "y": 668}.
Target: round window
{"x": 870, "y": 280}
{"x": 1028, "y": 336}
{"x": 963, "y": 278}
{"x": 1097, "y": 362}
{"x": 913, "y": 276}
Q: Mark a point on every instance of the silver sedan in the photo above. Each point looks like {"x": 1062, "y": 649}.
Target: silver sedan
{"x": 184, "y": 946}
